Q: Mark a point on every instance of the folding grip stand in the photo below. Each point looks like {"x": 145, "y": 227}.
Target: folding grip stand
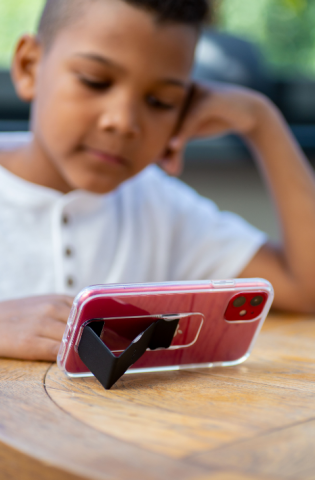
{"x": 108, "y": 368}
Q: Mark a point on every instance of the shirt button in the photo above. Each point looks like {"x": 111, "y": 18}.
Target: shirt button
{"x": 68, "y": 252}
{"x": 70, "y": 282}
{"x": 65, "y": 219}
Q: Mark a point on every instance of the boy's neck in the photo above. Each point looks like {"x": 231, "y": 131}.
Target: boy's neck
{"x": 29, "y": 163}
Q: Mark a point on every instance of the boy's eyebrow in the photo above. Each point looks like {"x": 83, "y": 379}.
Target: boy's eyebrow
{"x": 98, "y": 58}
{"x": 106, "y": 61}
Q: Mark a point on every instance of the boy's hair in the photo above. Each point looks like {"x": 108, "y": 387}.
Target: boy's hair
{"x": 58, "y": 14}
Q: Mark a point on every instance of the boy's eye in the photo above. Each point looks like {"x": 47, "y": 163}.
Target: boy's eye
{"x": 156, "y": 103}
{"x": 94, "y": 85}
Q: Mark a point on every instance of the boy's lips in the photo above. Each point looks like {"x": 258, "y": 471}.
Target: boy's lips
{"x": 105, "y": 156}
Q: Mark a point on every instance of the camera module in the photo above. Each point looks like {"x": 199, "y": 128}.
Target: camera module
{"x": 239, "y": 302}
{"x": 257, "y": 301}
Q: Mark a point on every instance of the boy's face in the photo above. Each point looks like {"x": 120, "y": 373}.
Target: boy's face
{"x": 109, "y": 94}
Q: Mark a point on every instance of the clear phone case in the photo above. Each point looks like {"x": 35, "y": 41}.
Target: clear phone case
{"x": 218, "y": 322}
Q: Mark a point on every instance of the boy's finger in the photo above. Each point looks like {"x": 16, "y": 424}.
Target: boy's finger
{"x": 210, "y": 128}
{"x": 67, "y": 300}
{"x": 36, "y": 349}
{"x": 200, "y": 109}
{"x": 43, "y": 349}
{"x": 52, "y": 329}
{"x": 58, "y": 311}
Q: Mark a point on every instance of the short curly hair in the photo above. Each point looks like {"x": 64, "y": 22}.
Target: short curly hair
{"x": 58, "y": 14}
{"x": 191, "y": 12}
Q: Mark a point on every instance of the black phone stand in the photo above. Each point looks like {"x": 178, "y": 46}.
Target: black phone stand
{"x": 108, "y": 368}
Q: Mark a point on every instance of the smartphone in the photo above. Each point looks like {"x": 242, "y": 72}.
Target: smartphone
{"x": 217, "y": 322}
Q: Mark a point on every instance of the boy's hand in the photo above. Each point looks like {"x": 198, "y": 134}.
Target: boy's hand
{"x": 214, "y": 109}
{"x": 32, "y": 328}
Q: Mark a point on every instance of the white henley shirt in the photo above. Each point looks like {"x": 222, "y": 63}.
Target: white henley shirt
{"x": 152, "y": 228}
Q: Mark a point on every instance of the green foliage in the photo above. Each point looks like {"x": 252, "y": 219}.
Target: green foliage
{"x": 16, "y": 17}
{"x": 296, "y": 6}
{"x": 285, "y": 29}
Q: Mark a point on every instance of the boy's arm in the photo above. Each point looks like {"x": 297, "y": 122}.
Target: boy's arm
{"x": 289, "y": 266}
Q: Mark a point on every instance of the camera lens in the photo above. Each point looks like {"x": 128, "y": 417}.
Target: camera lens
{"x": 239, "y": 302}
{"x": 257, "y": 301}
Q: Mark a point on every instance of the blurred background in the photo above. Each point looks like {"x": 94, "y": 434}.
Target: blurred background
{"x": 268, "y": 45}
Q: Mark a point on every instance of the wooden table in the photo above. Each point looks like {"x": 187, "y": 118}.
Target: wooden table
{"x": 255, "y": 421}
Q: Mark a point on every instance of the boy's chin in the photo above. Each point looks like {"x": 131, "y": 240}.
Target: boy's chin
{"x": 97, "y": 189}
{"x": 95, "y": 185}
{"x": 98, "y": 181}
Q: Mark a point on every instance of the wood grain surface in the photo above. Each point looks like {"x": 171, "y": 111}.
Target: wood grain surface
{"x": 254, "y": 421}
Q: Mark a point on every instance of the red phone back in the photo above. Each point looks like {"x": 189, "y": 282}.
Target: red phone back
{"x": 204, "y": 336}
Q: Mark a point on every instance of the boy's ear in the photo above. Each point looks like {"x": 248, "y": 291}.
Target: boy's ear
{"x": 25, "y": 65}
{"x": 172, "y": 161}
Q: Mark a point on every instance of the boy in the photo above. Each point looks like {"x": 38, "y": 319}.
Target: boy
{"x": 109, "y": 82}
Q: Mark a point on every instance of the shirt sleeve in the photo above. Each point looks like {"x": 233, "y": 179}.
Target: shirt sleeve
{"x": 206, "y": 243}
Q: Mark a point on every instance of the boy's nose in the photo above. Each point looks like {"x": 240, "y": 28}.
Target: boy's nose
{"x": 121, "y": 118}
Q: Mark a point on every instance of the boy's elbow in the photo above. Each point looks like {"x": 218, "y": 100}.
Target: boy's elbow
{"x": 295, "y": 297}
{"x": 305, "y": 299}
